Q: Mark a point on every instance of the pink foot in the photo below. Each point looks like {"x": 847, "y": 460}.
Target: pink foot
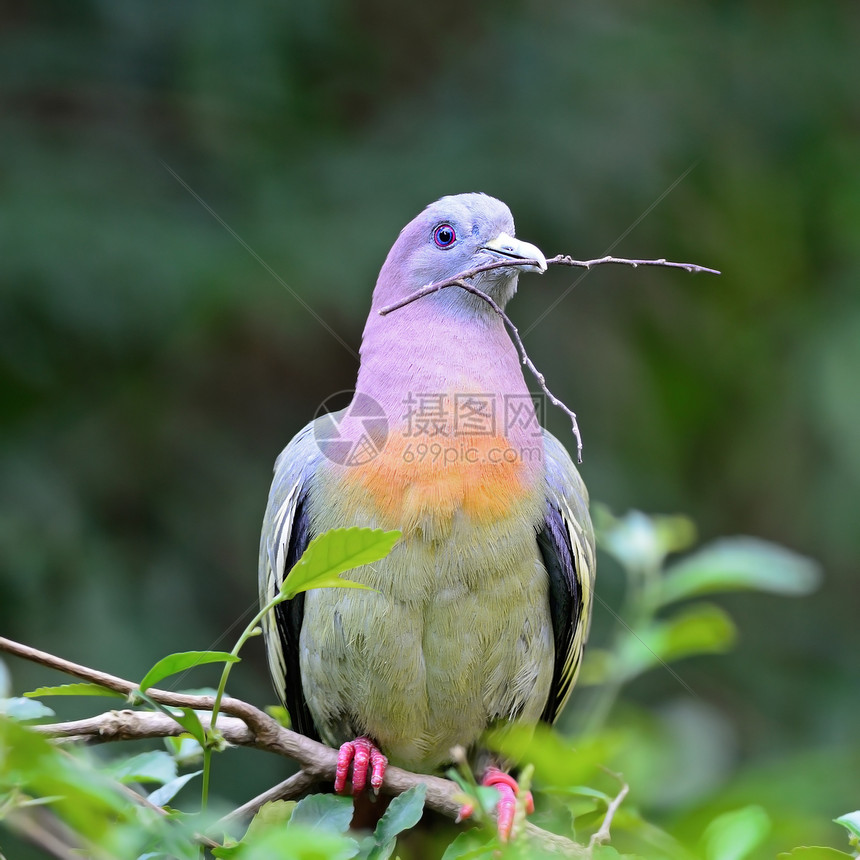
{"x": 363, "y": 755}
{"x": 508, "y": 790}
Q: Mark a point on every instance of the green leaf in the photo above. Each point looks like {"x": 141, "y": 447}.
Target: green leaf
{"x": 735, "y": 835}
{"x": 699, "y": 629}
{"x": 333, "y": 553}
{"x": 280, "y": 714}
{"x": 75, "y": 690}
{"x": 21, "y": 709}
{"x": 605, "y": 852}
{"x": 403, "y": 812}
{"x": 471, "y": 844}
{"x": 370, "y": 849}
{"x": 638, "y": 541}
{"x": 851, "y": 821}
{"x": 85, "y": 799}
{"x": 153, "y": 766}
{"x": 184, "y": 750}
{"x": 652, "y": 840}
{"x": 814, "y": 852}
{"x": 275, "y": 813}
{"x": 189, "y": 721}
{"x": 327, "y": 812}
{"x": 185, "y": 717}
{"x": 162, "y": 796}
{"x": 172, "y": 664}
{"x": 558, "y": 760}
{"x": 293, "y": 843}
{"x": 737, "y": 564}
{"x": 482, "y": 798}
{"x": 231, "y": 848}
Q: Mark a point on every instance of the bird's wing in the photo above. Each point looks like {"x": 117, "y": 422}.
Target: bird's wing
{"x": 286, "y": 534}
{"x": 566, "y": 543}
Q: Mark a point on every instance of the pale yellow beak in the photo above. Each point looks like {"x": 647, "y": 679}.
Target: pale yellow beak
{"x": 506, "y": 246}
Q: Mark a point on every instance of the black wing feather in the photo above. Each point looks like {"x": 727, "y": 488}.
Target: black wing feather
{"x": 565, "y": 605}
{"x": 289, "y": 616}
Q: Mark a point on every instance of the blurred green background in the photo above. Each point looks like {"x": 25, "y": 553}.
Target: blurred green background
{"x": 151, "y": 368}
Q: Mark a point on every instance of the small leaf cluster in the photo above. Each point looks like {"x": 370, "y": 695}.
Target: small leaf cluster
{"x": 317, "y": 828}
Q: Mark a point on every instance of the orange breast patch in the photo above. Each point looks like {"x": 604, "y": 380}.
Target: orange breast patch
{"x": 423, "y": 481}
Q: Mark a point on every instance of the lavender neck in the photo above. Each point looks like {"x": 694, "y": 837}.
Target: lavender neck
{"x": 426, "y": 357}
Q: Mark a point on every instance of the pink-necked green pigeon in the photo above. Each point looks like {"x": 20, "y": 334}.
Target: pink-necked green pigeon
{"x": 479, "y": 614}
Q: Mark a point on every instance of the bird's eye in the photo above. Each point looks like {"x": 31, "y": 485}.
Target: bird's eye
{"x": 444, "y": 236}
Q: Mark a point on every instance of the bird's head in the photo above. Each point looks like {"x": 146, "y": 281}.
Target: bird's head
{"x": 453, "y": 235}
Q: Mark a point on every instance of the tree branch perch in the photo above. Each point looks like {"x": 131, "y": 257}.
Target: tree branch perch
{"x": 245, "y": 725}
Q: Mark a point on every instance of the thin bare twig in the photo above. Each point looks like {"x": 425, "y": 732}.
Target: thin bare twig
{"x": 566, "y": 260}
{"x": 602, "y": 835}
{"x": 455, "y": 281}
{"x": 459, "y": 280}
{"x": 541, "y": 380}
{"x": 558, "y": 260}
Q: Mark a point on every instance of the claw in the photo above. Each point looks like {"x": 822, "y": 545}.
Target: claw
{"x": 363, "y": 755}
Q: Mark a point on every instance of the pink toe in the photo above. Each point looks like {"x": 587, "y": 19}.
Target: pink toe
{"x": 506, "y": 809}
{"x": 378, "y": 764}
{"x": 359, "y": 756}
{"x": 359, "y": 764}
{"x": 344, "y": 760}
